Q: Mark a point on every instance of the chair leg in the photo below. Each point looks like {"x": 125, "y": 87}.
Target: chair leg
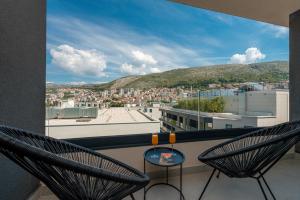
{"x": 212, "y": 174}
{"x": 218, "y": 174}
{"x": 262, "y": 189}
{"x": 132, "y": 197}
{"x": 268, "y": 187}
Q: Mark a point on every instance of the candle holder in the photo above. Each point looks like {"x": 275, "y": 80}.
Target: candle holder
{"x": 172, "y": 139}
{"x": 154, "y": 143}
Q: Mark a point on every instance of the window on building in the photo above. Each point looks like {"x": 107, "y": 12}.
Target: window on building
{"x": 209, "y": 125}
{"x": 181, "y": 119}
{"x": 193, "y": 123}
{"x": 228, "y": 126}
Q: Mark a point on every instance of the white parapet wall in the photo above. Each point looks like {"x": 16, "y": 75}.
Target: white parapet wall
{"x": 96, "y": 130}
{"x": 133, "y": 156}
{"x": 112, "y": 121}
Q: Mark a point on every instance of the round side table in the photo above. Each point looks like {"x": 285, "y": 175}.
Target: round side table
{"x": 164, "y": 157}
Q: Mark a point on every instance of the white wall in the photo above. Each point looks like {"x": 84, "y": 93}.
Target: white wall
{"x": 274, "y": 105}
{"x": 134, "y": 156}
{"x": 261, "y": 102}
{"x": 232, "y": 104}
{"x": 251, "y": 102}
{"x": 282, "y": 108}
{"x": 63, "y": 132}
{"x": 155, "y": 114}
{"x": 263, "y": 122}
{"x": 220, "y": 123}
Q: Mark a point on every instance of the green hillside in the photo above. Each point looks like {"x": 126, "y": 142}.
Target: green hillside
{"x": 202, "y": 76}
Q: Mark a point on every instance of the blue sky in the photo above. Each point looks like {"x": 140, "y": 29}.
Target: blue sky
{"x": 95, "y": 41}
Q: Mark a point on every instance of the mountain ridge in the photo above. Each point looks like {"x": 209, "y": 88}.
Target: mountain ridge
{"x": 273, "y": 71}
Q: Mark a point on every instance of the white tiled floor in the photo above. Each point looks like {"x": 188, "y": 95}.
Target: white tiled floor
{"x": 283, "y": 178}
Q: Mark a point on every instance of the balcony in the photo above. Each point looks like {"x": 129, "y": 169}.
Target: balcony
{"x": 22, "y": 96}
{"x": 195, "y": 173}
{"x": 284, "y": 173}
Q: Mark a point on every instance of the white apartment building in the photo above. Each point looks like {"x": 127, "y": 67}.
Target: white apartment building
{"x": 89, "y": 104}
{"x": 254, "y": 109}
{"x": 67, "y": 103}
{"x": 247, "y": 109}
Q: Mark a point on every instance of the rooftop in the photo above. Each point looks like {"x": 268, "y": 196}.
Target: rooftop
{"x": 112, "y": 121}
{"x": 106, "y": 116}
{"x": 231, "y": 116}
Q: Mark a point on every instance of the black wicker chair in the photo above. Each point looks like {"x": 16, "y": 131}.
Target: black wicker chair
{"x": 71, "y": 172}
{"x": 253, "y": 154}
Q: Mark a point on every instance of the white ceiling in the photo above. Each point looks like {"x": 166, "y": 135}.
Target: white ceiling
{"x": 270, "y": 11}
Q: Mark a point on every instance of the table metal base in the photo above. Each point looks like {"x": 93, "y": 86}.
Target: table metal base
{"x": 146, "y": 189}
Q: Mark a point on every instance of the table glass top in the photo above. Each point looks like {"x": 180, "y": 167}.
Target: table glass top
{"x": 164, "y": 156}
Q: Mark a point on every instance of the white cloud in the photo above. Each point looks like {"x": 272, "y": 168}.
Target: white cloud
{"x": 280, "y": 31}
{"x": 145, "y": 65}
{"x": 154, "y": 70}
{"x": 277, "y": 31}
{"x": 133, "y": 70}
{"x": 127, "y": 68}
{"x": 78, "y": 61}
{"x": 142, "y": 57}
{"x": 99, "y": 82}
{"x": 251, "y": 55}
{"x": 224, "y": 18}
{"x": 76, "y": 83}
{"x": 123, "y": 45}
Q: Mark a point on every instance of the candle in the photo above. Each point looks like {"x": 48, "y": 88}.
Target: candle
{"x": 172, "y": 138}
{"x": 155, "y": 139}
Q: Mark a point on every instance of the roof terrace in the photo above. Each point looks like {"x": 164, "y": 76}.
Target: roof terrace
{"x": 111, "y": 121}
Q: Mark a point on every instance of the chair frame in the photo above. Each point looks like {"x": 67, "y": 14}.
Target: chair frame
{"x": 289, "y": 138}
{"x": 27, "y": 155}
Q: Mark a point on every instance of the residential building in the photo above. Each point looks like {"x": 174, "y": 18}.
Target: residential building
{"x": 246, "y": 109}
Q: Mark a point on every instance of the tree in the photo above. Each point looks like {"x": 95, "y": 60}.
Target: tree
{"x": 216, "y": 104}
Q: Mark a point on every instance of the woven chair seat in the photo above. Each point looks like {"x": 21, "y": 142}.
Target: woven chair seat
{"x": 250, "y": 154}
{"x": 70, "y": 171}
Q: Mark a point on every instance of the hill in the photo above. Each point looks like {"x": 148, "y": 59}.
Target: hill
{"x": 202, "y": 76}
